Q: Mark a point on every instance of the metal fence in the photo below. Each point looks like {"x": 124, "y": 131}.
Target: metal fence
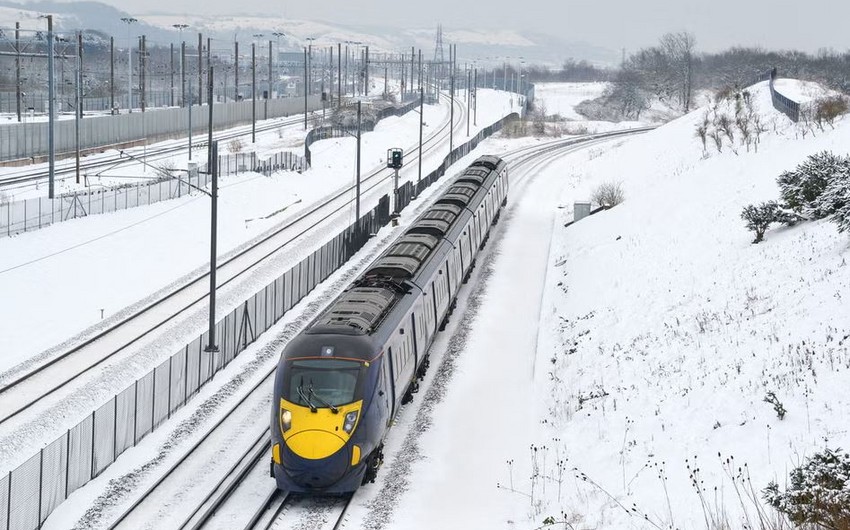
{"x": 29, "y": 140}
{"x": 30, "y": 492}
{"x": 33, "y": 214}
{"x": 27, "y": 215}
{"x": 782, "y": 103}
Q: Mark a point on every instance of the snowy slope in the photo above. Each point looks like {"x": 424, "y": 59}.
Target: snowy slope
{"x": 665, "y": 328}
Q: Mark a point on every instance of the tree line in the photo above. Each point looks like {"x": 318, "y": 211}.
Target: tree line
{"x": 673, "y": 70}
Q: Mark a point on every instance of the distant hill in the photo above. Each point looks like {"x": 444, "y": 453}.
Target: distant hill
{"x": 488, "y": 47}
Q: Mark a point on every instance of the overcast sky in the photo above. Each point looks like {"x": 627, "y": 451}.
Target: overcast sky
{"x": 808, "y": 25}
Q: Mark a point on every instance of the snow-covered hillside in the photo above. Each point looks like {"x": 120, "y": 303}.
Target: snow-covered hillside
{"x": 664, "y": 329}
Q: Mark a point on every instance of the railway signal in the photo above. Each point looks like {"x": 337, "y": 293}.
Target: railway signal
{"x": 395, "y": 160}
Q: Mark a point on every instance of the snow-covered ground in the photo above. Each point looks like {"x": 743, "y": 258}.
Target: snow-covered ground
{"x": 660, "y": 330}
{"x": 561, "y": 98}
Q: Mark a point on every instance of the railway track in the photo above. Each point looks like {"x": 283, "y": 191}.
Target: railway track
{"x": 246, "y": 482}
{"x": 24, "y": 390}
{"x": 67, "y": 167}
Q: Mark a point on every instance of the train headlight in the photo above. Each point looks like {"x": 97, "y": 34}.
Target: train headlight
{"x": 285, "y": 420}
{"x": 350, "y": 420}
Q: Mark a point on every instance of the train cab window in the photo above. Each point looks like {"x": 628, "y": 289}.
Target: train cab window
{"x": 322, "y": 383}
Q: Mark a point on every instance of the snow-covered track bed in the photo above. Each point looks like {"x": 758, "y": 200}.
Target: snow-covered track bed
{"x": 29, "y": 387}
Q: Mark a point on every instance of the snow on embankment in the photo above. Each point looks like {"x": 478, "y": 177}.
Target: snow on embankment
{"x": 665, "y": 328}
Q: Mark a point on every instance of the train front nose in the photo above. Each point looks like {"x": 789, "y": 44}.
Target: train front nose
{"x": 315, "y": 452}
{"x": 315, "y": 459}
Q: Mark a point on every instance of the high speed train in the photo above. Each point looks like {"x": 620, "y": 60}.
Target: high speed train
{"x": 342, "y": 380}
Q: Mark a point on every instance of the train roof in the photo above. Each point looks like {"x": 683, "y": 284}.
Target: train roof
{"x": 491, "y": 162}
{"x": 362, "y": 307}
{"x": 405, "y": 257}
{"x": 356, "y": 312}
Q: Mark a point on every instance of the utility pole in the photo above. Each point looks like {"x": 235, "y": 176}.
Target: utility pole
{"x": 209, "y": 62}
{"x": 468, "y": 75}
{"x": 338, "y": 74}
{"x": 129, "y": 21}
{"x": 212, "y": 347}
{"x": 367, "y": 71}
{"x": 412, "y": 58}
{"x": 271, "y": 82}
{"x": 236, "y": 71}
{"x": 200, "y": 69}
{"x": 211, "y": 159}
{"x": 475, "y": 100}
{"x": 452, "y": 115}
{"x": 253, "y": 92}
{"x": 305, "y": 88}
{"x": 18, "y": 69}
{"x": 171, "y": 57}
{"x": 111, "y": 73}
{"x": 142, "y": 65}
{"x": 419, "y": 84}
{"x": 51, "y": 110}
{"x": 357, "y": 193}
{"x": 190, "y": 120}
{"x": 421, "y": 122}
{"x": 331, "y": 76}
{"x": 183, "y": 75}
{"x": 79, "y": 103}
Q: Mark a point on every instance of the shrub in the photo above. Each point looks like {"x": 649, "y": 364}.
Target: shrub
{"x": 235, "y": 145}
{"x": 819, "y": 492}
{"x": 538, "y": 119}
{"x": 165, "y": 169}
{"x": 828, "y": 109}
{"x": 835, "y": 199}
{"x": 760, "y": 217}
{"x": 802, "y": 187}
{"x": 608, "y": 194}
{"x": 702, "y": 133}
{"x": 778, "y": 407}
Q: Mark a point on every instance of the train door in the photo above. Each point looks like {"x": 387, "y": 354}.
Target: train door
{"x": 389, "y": 374}
{"x": 448, "y": 280}
{"x": 386, "y": 393}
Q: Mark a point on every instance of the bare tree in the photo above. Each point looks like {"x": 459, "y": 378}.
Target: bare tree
{"x": 679, "y": 50}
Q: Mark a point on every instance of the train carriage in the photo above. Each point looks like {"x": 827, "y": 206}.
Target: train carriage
{"x": 342, "y": 380}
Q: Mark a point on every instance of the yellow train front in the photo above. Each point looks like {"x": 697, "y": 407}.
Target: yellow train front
{"x": 330, "y": 417}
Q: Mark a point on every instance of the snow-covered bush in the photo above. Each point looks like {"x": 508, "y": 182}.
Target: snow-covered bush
{"x": 759, "y": 218}
{"x": 538, "y": 119}
{"x": 608, "y": 194}
{"x": 819, "y": 492}
{"x": 165, "y": 169}
{"x": 836, "y": 200}
{"x": 235, "y": 145}
{"x": 827, "y": 109}
{"x": 778, "y": 407}
{"x": 801, "y": 188}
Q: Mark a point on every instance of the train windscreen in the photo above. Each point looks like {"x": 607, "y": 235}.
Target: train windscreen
{"x": 319, "y": 383}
